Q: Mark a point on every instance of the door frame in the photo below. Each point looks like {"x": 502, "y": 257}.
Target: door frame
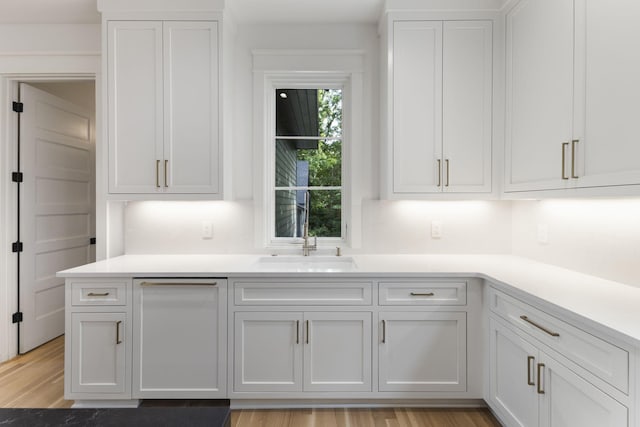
{"x": 36, "y": 68}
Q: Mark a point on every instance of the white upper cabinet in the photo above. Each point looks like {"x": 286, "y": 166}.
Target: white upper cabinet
{"x": 191, "y": 107}
{"x": 416, "y": 100}
{"x": 539, "y": 93}
{"x": 163, "y": 107}
{"x": 608, "y": 147}
{"x": 438, "y": 116}
{"x": 572, "y": 90}
{"x": 135, "y": 107}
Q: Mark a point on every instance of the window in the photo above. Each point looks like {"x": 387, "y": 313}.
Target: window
{"x": 308, "y": 162}
{"x": 309, "y": 146}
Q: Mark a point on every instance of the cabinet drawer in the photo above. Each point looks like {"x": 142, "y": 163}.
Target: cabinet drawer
{"x": 99, "y": 293}
{"x": 603, "y": 359}
{"x": 423, "y": 293}
{"x": 302, "y": 293}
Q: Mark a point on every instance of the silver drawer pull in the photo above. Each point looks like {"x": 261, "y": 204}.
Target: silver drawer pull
{"x": 542, "y": 328}
{"x": 540, "y": 378}
{"x": 529, "y": 368}
{"x": 95, "y": 294}
{"x": 418, "y": 294}
{"x": 118, "y": 340}
{"x": 384, "y": 331}
{"x": 178, "y": 284}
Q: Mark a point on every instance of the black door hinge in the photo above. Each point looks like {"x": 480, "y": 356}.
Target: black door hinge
{"x": 18, "y": 107}
{"x": 92, "y": 241}
{"x": 16, "y": 317}
{"x": 16, "y": 247}
{"x": 17, "y": 176}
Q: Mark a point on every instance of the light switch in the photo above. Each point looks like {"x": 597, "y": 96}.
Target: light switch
{"x": 207, "y": 230}
{"x": 436, "y": 229}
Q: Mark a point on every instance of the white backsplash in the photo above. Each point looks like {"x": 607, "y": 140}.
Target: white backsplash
{"x": 387, "y": 227}
{"x": 598, "y": 237}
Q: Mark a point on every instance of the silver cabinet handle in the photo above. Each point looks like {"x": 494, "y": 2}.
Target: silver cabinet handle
{"x": 166, "y": 163}
{"x": 307, "y": 335}
{"x": 529, "y": 369}
{"x": 542, "y": 328}
{"x": 297, "y": 332}
{"x": 158, "y": 173}
{"x": 178, "y": 284}
{"x": 540, "y": 377}
{"x": 95, "y": 294}
{"x": 573, "y": 158}
{"x": 564, "y": 146}
{"x": 439, "y": 172}
{"x": 447, "y": 165}
{"x": 418, "y": 294}
{"x": 384, "y": 331}
{"x": 118, "y": 340}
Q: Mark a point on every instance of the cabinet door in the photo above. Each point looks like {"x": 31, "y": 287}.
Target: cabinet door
{"x": 422, "y": 351}
{"x": 417, "y": 106}
{"x": 570, "y": 401}
{"x": 608, "y": 66}
{"x": 466, "y": 107}
{"x": 135, "y": 104}
{"x": 512, "y": 376}
{"x": 179, "y": 338}
{"x": 539, "y": 104}
{"x": 268, "y": 351}
{"x": 337, "y": 352}
{"x": 98, "y": 360}
{"x": 191, "y": 148}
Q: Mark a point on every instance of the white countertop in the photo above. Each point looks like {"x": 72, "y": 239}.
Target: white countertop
{"x": 604, "y": 302}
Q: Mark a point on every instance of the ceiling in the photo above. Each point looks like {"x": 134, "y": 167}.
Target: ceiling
{"x": 85, "y": 11}
{"x": 49, "y": 11}
{"x": 268, "y": 11}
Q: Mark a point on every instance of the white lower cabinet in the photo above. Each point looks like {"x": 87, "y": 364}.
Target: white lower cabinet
{"x": 302, "y": 351}
{"x": 98, "y": 353}
{"x": 422, "y": 351}
{"x": 98, "y": 342}
{"x": 179, "y": 338}
{"x": 529, "y": 387}
{"x": 337, "y": 351}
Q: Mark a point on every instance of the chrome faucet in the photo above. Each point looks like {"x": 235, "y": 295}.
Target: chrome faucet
{"x": 306, "y": 246}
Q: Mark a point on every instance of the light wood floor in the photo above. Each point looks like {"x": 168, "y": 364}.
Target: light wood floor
{"x": 36, "y": 380}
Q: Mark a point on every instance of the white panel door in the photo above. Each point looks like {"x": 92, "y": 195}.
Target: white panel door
{"x": 337, "y": 352}
{"x": 192, "y": 148}
{"x": 466, "y": 107}
{"x": 417, "y": 106}
{"x": 539, "y": 97}
{"x": 570, "y": 401}
{"x": 268, "y": 351}
{"x": 422, "y": 351}
{"x": 179, "y": 338}
{"x": 607, "y": 150}
{"x": 513, "y": 377}
{"x": 135, "y": 106}
{"x": 98, "y": 349}
{"x": 56, "y": 208}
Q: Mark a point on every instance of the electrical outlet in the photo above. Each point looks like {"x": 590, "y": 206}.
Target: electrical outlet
{"x": 207, "y": 230}
{"x": 436, "y": 229}
{"x": 543, "y": 234}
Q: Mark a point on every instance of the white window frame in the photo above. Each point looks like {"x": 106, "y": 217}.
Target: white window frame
{"x": 277, "y": 69}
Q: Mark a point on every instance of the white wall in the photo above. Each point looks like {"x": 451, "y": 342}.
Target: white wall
{"x": 599, "y": 237}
